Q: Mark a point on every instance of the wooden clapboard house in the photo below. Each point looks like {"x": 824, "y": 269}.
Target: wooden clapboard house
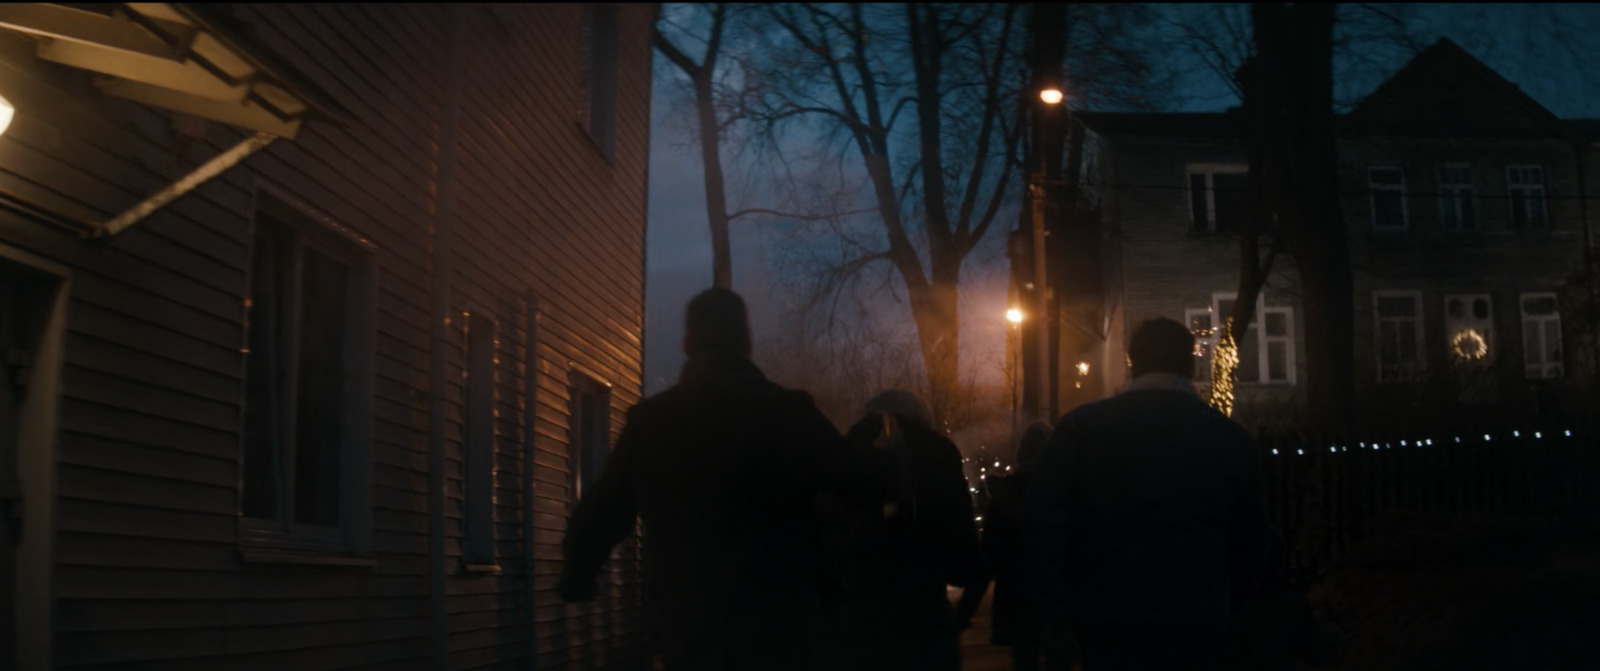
{"x": 316, "y": 318}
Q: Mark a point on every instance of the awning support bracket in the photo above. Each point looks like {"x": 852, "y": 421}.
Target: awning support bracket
{"x": 200, "y": 175}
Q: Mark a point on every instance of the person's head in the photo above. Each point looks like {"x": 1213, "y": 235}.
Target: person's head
{"x": 903, "y": 404}
{"x": 716, "y": 324}
{"x": 1162, "y": 345}
{"x": 1033, "y": 441}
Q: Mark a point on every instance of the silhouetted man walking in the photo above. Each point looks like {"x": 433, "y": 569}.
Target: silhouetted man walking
{"x": 1145, "y": 514}
{"x": 724, "y": 469}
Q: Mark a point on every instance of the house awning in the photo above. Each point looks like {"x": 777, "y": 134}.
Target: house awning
{"x": 188, "y": 58}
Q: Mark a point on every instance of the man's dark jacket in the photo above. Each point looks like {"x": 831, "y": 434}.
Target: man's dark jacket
{"x": 896, "y": 614}
{"x": 1146, "y": 509}
{"x": 724, "y": 469}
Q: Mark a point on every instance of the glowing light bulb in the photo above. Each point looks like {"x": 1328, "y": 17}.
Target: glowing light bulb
{"x": 1051, "y": 96}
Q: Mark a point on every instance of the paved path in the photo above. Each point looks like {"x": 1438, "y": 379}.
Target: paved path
{"x": 976, "y": 653}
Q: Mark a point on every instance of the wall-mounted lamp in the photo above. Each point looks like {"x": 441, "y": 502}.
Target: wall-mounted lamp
{"x": 1051, "y": 95}
{"x": 1014, "y": 316}
{"x": 6, "y": 112}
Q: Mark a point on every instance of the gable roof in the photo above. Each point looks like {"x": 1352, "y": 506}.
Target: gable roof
{"x": 1445, "y": 90}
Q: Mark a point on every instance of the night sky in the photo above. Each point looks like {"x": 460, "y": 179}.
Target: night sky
{"x": 1546, "y": 49}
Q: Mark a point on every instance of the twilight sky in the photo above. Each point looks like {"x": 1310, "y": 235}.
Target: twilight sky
{"x": 1546, "y": 49}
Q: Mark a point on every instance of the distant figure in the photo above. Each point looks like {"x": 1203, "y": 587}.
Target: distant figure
{"x": 1146, "y": 518}
{"x": 1015, "y": 622}
{"x": 906, "y": 549}
{"x": 724, "y": 469}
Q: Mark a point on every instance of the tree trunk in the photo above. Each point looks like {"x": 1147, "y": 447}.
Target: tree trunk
{"x": 1293, "y": 166}
{"x": 716, "y": 197}
{"x": 934, "y": 309}
{"x": 1318, "y": 244}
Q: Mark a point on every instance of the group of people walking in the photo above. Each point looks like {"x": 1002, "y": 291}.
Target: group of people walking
{"x": 771, "y": 542}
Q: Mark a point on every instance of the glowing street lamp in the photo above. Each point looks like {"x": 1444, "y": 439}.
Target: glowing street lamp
{"x": 1051, "y": 95}
{"x": 1014, "y": 316}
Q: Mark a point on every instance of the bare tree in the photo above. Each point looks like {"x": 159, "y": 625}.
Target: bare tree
{"x": 702, "y": 80}
{"x": 922, "y": 96}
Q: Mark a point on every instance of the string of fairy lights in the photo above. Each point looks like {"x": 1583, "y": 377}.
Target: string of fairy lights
{"x": 1377, "y": 446}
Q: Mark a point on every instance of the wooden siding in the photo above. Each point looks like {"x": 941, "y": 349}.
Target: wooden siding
{"x": 149, "y": 573}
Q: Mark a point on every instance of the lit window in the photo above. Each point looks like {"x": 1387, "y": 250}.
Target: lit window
{"x": 1266, "y": 349}
{"x": 1399, "y": 331}
{"x": 1388, "y": 187}
{"x": 1217, "y": 198}
{"x": 1457, "y": 199}
{"x": 1525, "y": 186}
{"x": 1541, "y": 336}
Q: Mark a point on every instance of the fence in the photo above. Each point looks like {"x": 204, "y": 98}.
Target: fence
{"x": 1325, "y": 494}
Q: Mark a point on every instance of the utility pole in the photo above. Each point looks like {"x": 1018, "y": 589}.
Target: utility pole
{"x": 1047, "y": 42}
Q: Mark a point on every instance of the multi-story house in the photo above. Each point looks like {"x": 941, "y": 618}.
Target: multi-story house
{"x": 316, "y": 318}
{"x": 1464, "y": 206}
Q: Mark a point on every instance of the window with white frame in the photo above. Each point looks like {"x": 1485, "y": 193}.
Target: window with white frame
{"x": 1388, "y": 187}
{"x": 307, "y": 383}
{"x": 1217, "y": 197}
{"x": 1266, "y": 349}
{"x": 1541, "y": 336}
{"x": 1458, "y": 206}
{"x": 478, "y": 545}
{"x": 589, "y": 439}
{"x": 1525, "y": 188}
{"x": 1399, "y": 335}
{"x": 1469, "y": 329}
{"x": 597, "y": 107}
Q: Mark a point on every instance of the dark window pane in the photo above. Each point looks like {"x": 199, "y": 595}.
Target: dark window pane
{"x": 1539, "y": 305}
{"x": 1532, "y": 343}
{"x": 262, "y": 416}
{"x": 1469, "y": 216}
{"x": 1391, "y": 176}
{"x": 1448, "y": 217}
{"x": 1199, "y": 217}
{"x": 1229, "y": 196}
{"x": 1277, "y": 324}
{"x": 1519, "y": 209}
{"x": 1200, "y": 324}
{"x": 1480, "y": 308}
{"x": 1396, "y": 306}
{"x": 1455, "y": 309}
{"x": 320, "y": 407}
{"x": 480, "y": 440}
{"x": 1277, "y": 361}
{"x": 1536, "y": 209}
{"x": 1388, "y": 209}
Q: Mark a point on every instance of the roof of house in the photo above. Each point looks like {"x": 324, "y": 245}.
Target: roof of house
{"x": 1443, "y": 90}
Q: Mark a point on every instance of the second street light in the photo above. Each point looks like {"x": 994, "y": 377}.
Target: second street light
{"x": 1014, "y": 353}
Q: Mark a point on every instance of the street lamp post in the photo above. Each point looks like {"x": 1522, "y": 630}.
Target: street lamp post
{"x": 1014, "y": 351}
{"x": 1051, "y": 95}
